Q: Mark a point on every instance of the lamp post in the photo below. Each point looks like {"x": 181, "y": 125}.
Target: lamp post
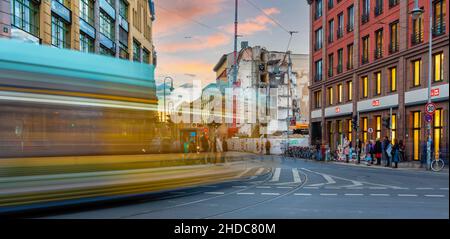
{"x": 416, "y": 12}
{"x": 171, "y": 89}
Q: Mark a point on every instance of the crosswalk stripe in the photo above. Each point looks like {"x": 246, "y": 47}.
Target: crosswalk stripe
{"x": 296, "y": 176}
{"x": 276, "y": 175}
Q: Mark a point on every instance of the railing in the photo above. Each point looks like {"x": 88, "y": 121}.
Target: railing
{"x": 339, "y": 68}
{"x": 439, "y": 27}
{"x": 365, "y": 17}
{"x": 349, "y": 27}
{"x": 393, "y": 47}
{"x": 378, "y": 10}
{"x": 378, "y": 53}
{"x": 393, "y": 3}
{"x": 416, "y": 38}
{"x": 340, "y": 32}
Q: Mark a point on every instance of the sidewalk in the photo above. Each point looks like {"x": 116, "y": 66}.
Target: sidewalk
{"x": 401, "y": 166}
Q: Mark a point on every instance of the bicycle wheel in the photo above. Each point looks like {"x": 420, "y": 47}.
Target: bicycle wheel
{"x": 437, "y": 165}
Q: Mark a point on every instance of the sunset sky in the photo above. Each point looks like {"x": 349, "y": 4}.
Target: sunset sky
{"x": 191, "y": 36}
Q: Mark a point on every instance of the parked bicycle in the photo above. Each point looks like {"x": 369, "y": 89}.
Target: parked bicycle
{"x": 437, "y": 164}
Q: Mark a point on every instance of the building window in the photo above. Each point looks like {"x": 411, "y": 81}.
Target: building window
{"x": 378, "y": 7}
{"x": 317, "y": 99}
{"x": 330, "y": 4}
{"x": 378, "y": 126}
{"x": 136, "y": 51}
{"x": 393, "y": 43}
{"x": 439, "y": 18}
{"x": 349, "y": 129}
{"x": 318, "y": 70}
{"x": 438, "y": 67}
{"x": 60, "y": 33}
{"x": 87, "y": 11}
{"x": 340, "y": 60}
{"x": 377, "y": 77}
{"x": 416, "y": 134}
{"x": 340, "y": 128}
{"x": 330, "y": 95}
{"x": 106, "y": 26}
{"x": 105, "y": 51}
{"x": 340, "y": 30}
{"x": 349, "y": 56}
{"x": 123, "y": 52}
{"x": 365, "y": 11}
{"x": 416, "y": 65}
{"x": 318, "y": 10}
{"x": 123, "y": 9}
{"x": 145, "y": 56}
{"x": 349, "y": 90}
{"x": 393, "y": 127}
{"x": 393, "y": 79}
{"x": 379, "y": 44}
{"x": 365, "y": 86}
{"x": 351, "y": 18}
{"x": 330, "y": 65}
{"x": 438, "y": 130}
{"x": 393, "y": 3}
{"x": 365, "y": 50}
{"x": 25, "y": 16}
{"x": 364, "y": 128}
{"x": 318, "y": 37}
{"x": 330, "y": 130}
{"x": 330, "y": 31}
{"x": 86, "y": 43}
{"x": 417, "y": 34}
{"x": 340, "y": 95}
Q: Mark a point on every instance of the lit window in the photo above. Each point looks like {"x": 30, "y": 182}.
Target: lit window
{"x": 378, "y": 83}
{"x": 393, "y": 79}
{"x": 439, "y": 67}
{"x": 340, "y": 93}
{"x": 416, "y": 72}
{"x": 350, "y": 90}
{"x": 365, "y": 86}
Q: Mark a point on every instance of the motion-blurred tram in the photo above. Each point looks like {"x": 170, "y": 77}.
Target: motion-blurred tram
{"x": 62, "y": 102}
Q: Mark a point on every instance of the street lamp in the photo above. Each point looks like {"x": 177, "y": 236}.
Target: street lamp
{"x": 416, "y": 12}
{"x": 171, "y": 89}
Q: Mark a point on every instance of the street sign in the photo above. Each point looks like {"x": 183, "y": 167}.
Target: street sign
{"x": 428, "y": 118}
{"x": 430, "y": 108}
{"x": 370, "y": 130}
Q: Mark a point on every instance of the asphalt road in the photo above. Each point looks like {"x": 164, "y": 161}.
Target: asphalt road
{"x": 295, "y": 189}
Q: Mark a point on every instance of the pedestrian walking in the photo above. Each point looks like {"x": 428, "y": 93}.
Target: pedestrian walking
{"x": 401, "y": 149}
{"x": 384, "y": 146}
{"x": 389, "y": 153}
{"x": 378, "y": 151}
{"x": 395, "y": 154}
{"x": 367, "y": 150}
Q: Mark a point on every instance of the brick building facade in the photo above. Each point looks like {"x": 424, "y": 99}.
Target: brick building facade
{"x": 370, "y": 58}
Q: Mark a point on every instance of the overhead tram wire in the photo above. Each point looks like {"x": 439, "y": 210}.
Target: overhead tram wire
{"x": 268, "y": 16}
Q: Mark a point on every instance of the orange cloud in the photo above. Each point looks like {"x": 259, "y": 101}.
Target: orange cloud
{"x": 256, "y": 24}
{"x": 195, "y": 44}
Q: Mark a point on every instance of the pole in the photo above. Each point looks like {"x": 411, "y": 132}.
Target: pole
{"x": 164, "y": 116}
{"x": 429, "y": 142}
{"x": 357, "y": 139}
{"x": 235, "y": 59}
{"x": 390, "y": 123}
{"x": 288, "y": 98}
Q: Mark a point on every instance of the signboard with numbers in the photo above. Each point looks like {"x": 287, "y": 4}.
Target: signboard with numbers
{"x": 430, "y": 108}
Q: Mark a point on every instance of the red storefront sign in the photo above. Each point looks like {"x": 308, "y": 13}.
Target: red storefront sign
{"x": 337, "y": 110}
{"x": 376, "y": 103}
{"x": 435, "y": 92}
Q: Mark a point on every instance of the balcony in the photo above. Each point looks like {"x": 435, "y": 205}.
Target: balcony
{"x": 416, "y": 38}
{"x": 339, "y": 68}
{"x": 340, "y": 32}
{"x": 393, "y": 47}
{"x": 349, "y": 65}
{"x": 378, "y": 53}
{"x": 378, "y": 10}
{"x": 318, "y": 77}
{"x": 438, "y": 27}
{"x": 364, "y": 59}
{"x": 393, "y": 3}
{"x": 365, "y": 17}
{"x": 349, "y": 27}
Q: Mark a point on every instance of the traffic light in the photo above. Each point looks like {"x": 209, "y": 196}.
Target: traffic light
{"x": 387, "y": 122}
{"x": 355, "y": 122}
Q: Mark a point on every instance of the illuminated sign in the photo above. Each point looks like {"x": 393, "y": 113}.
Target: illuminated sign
{"x": 337, "y": 110}
{"x": 435, "y": 92}
{"x": 376, "y": 103}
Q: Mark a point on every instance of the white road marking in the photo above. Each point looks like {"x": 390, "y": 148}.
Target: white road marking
{"x": 284, "y": 187}
{"x": 400, "y": 188}
{"x": 243, "y": 173}
{"x": 263, "y": 187}
{"x": 260, "y": 170}
{"x": 302, "y": 194}
{"x": 424, "y": 188}
{"x": 311, "y": 187}
{"x": 332, "y": 187}
{"x": 377, "y": 188}
{"x": 328, "y": 194}
{"x": 379, "y": 194}
{"x": 272, "y": 194}
{"x": 407, "y": 195}
{"x": 245, "y": 193}
{"x": 276, "y": 175}
{"x": 435, "y": 196}
{"x": 356, "y": 188}
{"x": 443, "y": 188}
{"x": 354, "y": 194}
{"x": 215, "y": 193}
{"x": 239, "y": 186}
{"x": 296, "y": 176}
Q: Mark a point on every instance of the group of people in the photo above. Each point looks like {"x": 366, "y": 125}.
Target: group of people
{"x": 385, "y": 150}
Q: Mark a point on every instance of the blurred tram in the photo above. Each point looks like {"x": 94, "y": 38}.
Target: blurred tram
{"x": 59, "y": 102}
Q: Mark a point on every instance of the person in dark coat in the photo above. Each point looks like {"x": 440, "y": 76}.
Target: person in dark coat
{"x": 395, "y": 154}
{"x": 401, "y": 148}
{"x": 268, "y": 147}
{"x": 378, "y": 151}
{"x": 385, "y": 146}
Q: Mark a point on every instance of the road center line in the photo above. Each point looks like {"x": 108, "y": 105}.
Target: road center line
{"x": 215, "y": 193}
{"x": 284, "y": 187}
{"x": 379, "y": 194}
{"x": 407, "y": 195}
{"x": 354, "y": 194}
{"x": 245, "y": 193}
{"x": 443, "y": 188}
{"x": 239, "y": 186}
{"x": 302, "y": 194}
{"x": 310, "y": 187}
{"x": 263, "y": 187}
{"x": 328, "y": 194}
{"x": 424, "y": 188}
{"x": 272, "y": 194}
{"x": 435, "y": 196}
